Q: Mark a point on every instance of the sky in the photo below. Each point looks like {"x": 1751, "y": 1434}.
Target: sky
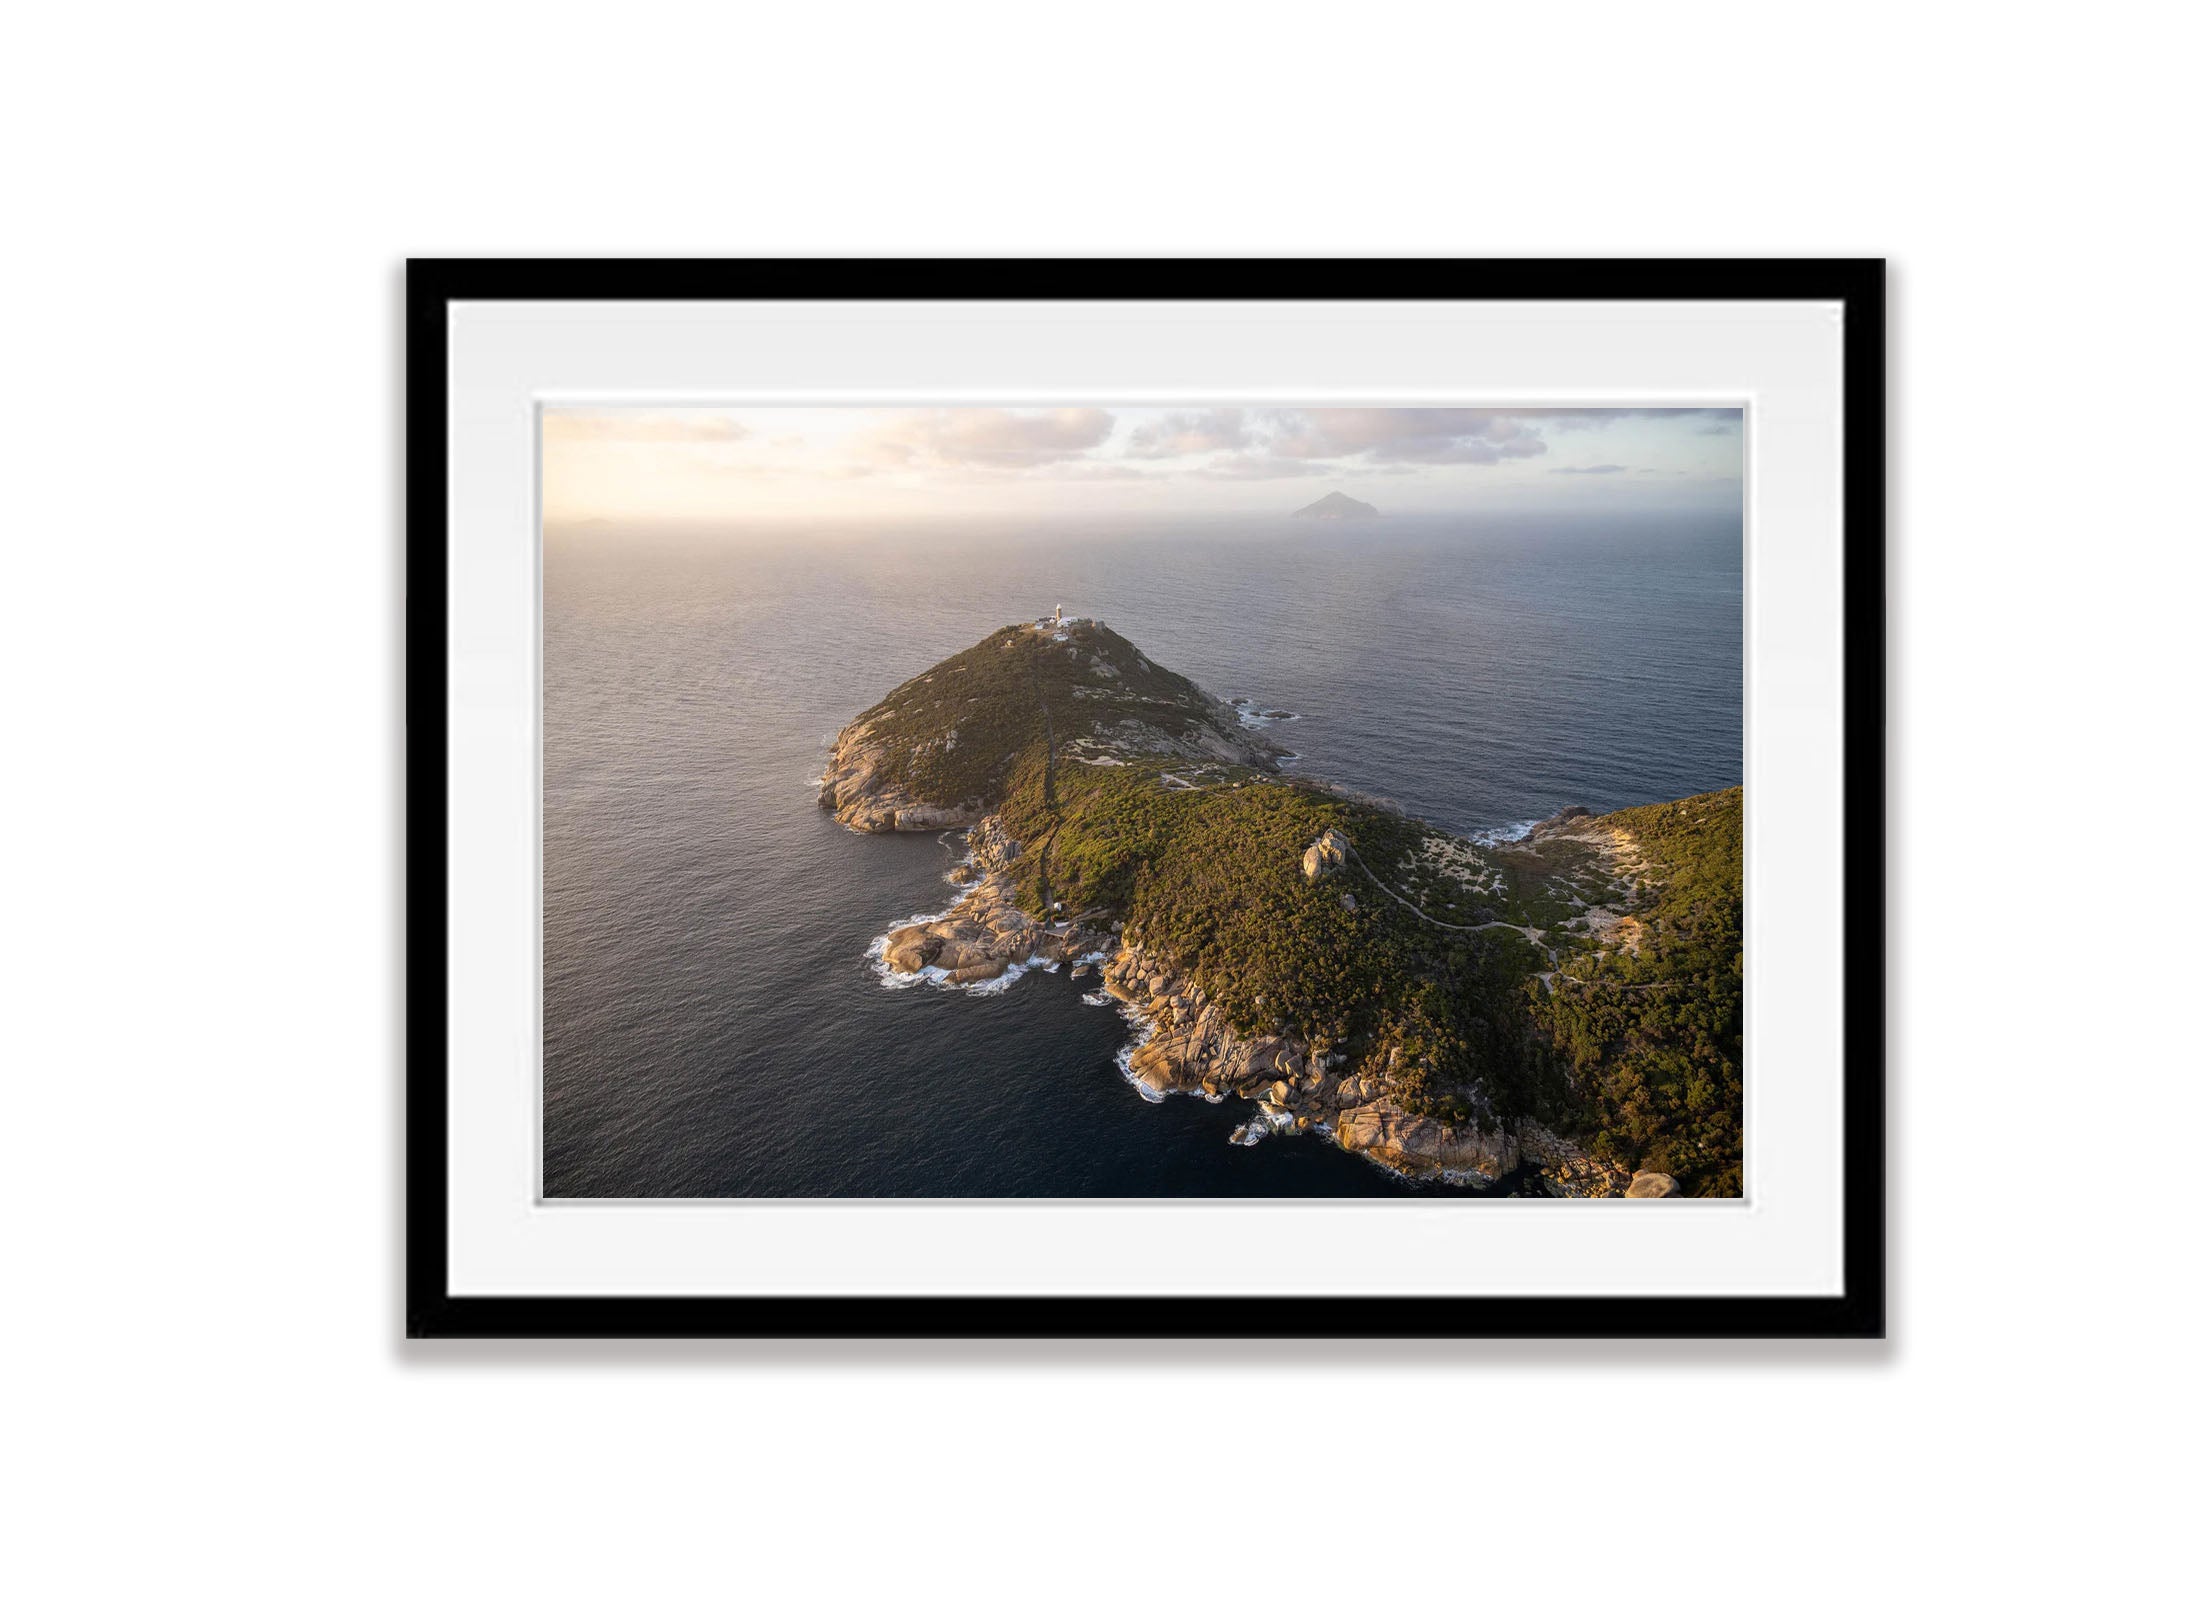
{"x": 710, "y": 463}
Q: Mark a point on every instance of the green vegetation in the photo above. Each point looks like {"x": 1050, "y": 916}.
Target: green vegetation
{"x": 1212, "y": 879}
{"x": 958, "y": 729}
{"x": 1655, "y": 1038}
{"x": 1625, "y": 1035}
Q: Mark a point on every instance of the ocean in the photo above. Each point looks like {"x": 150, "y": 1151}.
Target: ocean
{"x": 711, "y": 1025}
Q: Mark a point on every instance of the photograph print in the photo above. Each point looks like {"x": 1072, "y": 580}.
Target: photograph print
{"x": 1119, "y": 802}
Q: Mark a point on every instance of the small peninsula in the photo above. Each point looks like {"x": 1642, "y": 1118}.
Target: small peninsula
{"x": 1560, "y": 1011}
{"x": 1335, "y": 505}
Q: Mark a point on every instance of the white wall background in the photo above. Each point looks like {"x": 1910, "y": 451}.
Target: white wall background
{"x": 208, "y": 205}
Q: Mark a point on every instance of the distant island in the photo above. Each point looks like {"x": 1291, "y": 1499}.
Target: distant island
{"x": 1337, "y": 505}
{"x": 1562, "y": 1009}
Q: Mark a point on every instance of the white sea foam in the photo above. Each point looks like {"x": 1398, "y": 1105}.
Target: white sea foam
{"x": 1510, "y": 833}
{"x": 893, "y": 978}
{"x": 1151, "y": 1096}
{"x": 940, "y": 978}
{"x": 1267, "y": 1120}
{"x": 1016, "y": 969}
{"x": 1098, "y": 997}
{"x": 1457, "y": 1178}
{"x": 1252, "y": 714}
{"x": 1141, "y": 1031}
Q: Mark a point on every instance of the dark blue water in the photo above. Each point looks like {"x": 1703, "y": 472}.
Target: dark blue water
{"x": 710, "y": 1024}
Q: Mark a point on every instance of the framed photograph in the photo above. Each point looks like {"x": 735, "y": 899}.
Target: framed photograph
{"x": 1139, "y": 798}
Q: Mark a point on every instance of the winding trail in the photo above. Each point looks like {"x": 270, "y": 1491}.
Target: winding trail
{"x": 1534, "y": 936}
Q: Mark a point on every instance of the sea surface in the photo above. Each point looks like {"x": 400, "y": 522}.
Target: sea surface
{"x": 711, "y": 1025}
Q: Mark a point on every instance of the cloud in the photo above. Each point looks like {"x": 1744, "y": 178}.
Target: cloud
{"x": 1573, "y": 417}
{"x": 1248, "y": 465}
{"x": 1444, "y": 435}
{"x": 1188, "y": 433}
{"x": 1590, "y": 472}
{"x": 1433, "y": 434}
{"x": 639, "y": 427}
{"x": 1100, "y": 472}
{"x": 985, "y": 436}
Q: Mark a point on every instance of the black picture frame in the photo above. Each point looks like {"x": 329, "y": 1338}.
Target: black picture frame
{"x": 431, "y": 1311}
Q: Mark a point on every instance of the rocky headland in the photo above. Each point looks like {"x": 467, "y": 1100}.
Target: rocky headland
{"x": 1444, "y": 1007}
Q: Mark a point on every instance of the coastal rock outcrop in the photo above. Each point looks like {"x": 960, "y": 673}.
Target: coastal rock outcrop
{"x": 983, "y": 935}
{"x": 992, "y": 847}
{"x": 1189, "y": 1047}
{"x": 860, "y": 791}
{"x": 1560, "y": 821}
{"x": 1415, "y": 1144}
{"x": 1115, "y": 813}
{"x": 1324, "y": 856}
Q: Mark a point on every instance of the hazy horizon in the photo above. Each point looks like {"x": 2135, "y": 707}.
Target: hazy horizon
{"x": 710, "y": 465}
